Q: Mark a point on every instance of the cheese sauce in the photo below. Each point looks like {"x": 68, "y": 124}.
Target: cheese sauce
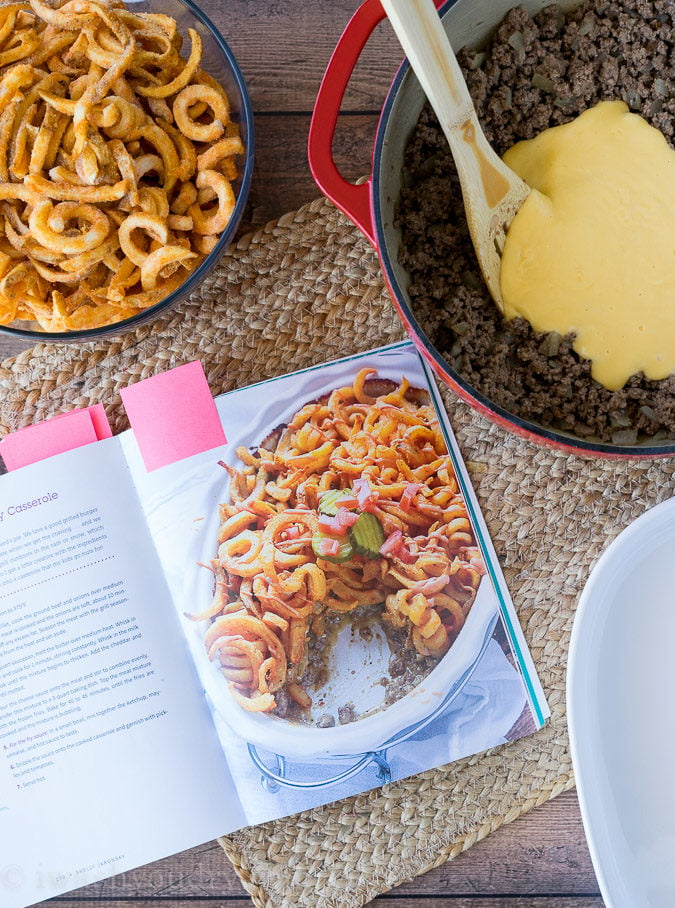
{"x": 592, "y": 250}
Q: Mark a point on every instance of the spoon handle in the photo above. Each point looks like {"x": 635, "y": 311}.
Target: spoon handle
{"x": 421, "y": 34}
{"x": 492, "y": 192}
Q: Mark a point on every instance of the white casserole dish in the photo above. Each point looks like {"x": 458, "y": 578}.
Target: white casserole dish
{"x": 620, "y": 679}
{"x": 359, "y": 665}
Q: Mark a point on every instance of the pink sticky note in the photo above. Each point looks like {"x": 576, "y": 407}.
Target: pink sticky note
{"x": 53, "y": 436}
{"x": 100, "y": 422}
{"x": 173, "y": 415}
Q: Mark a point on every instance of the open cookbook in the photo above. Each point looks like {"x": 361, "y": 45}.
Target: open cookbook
{"x": 237, "y": 610}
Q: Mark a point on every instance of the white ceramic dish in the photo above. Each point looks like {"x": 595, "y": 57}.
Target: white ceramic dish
{"x": 357, "y": 665}
{"x": 620, "y": 687}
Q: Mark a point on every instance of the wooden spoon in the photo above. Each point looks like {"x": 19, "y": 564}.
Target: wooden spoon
{"x": 492, "y": 192}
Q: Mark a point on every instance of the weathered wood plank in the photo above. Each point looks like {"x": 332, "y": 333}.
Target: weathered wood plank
{"x": 283, "y": 48}
{"x": 494, "y": 901}
{"x": 541, "y": 854}
{"x": 506, "y": 901}
{"x": 282, "y": 180}
{"x": 555, "y": 901}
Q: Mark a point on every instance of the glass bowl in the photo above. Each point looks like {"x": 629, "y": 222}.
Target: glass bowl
{"x": 219, "y": 62}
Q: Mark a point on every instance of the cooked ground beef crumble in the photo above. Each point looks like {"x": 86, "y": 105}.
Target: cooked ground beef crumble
{"x": 407, "y": 668}
{"x": 537, "y": 72}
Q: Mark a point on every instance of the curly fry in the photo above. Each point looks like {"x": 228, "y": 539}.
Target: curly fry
{"x": 214, "y": 99}
{"x": 225, "y": 148}
{"x": 48, "y": 224}
{"x": 217, "y": 221}
{"x": 158, "y": 261}
{"x": 154, "y": 225}
{"x": 70, "y": 192}
{"x": 177, "y": 84}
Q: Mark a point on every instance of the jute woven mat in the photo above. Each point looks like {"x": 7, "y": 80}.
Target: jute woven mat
{"x": 301, "y": 291}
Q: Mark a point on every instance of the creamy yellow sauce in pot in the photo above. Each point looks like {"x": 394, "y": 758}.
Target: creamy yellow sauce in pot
{"x": 592, "y": 250}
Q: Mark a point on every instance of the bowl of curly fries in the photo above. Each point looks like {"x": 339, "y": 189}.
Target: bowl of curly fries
{"x": 126, "y": 156}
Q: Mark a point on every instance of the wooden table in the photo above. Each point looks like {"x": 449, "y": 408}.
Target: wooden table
{"x": 540, "y": 860}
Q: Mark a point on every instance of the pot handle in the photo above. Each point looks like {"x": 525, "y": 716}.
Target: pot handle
{"x": 351, "y": 198}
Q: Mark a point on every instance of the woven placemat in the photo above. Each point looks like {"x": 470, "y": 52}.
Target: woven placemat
{"x": 303, "y": 290}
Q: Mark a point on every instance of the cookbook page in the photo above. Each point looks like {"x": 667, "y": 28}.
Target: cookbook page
{"x": 339, "y": 651}
{"x": 107, "y": 754}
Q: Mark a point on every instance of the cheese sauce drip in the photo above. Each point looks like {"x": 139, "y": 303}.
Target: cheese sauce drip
{"x": 592, "y": 250}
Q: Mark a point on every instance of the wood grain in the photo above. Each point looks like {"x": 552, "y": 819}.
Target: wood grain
{"x": 539, "y": 861}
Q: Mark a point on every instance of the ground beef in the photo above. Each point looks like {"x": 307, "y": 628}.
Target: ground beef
{"x": 407, "y": 668}
{"x": 538, "y": 72}
{"x": 347, "y": 713}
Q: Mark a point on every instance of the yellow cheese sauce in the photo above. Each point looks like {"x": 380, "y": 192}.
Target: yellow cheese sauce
{"x": 592, "y": 249}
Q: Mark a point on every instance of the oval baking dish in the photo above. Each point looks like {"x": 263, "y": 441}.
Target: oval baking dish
{"x": 359, "y": 661}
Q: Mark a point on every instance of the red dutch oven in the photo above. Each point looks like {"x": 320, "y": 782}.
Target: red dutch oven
{"x": 371, "y": 205}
